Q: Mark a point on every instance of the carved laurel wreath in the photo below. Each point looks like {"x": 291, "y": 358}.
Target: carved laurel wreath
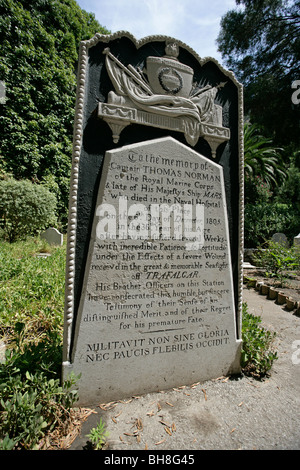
{"x": 161, "y": 74}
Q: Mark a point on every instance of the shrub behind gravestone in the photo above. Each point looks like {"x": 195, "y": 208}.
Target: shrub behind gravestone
{"x": 25, "y": 208}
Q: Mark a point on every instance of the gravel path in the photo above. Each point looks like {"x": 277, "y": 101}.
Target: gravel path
{"x": 223, "y": 414}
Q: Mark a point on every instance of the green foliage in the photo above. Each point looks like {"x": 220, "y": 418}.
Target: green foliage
{"x": 267, "y": 29}
{"x": 31, "y": 405}
{"x": 35, "y": 352}
{"x": 31, "y": 289}
{"x": 272, "y": 201}
{"x": 260, "y": 42}
{"x": 263, "y": 219}
{"x": 277, "y": 259}
{"x": 38, "y": 58}
{"x": 25, "y": 208}
{"x": 261, "y": 158}
{"x": 258, "y": 354}
{"x": 290, "y": 189}
{"x": 98, "y": 435}
{"x": 7, "y": 443}
{"x": 256, "y": 190}
{"x": 33, "y": 401}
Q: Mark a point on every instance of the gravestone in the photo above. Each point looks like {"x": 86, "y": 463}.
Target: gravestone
{"x": 154, "y": 258}
{"x": 280, "y": 238}
{"x": 297, "y": 241}
{"x": 52, "y": 236}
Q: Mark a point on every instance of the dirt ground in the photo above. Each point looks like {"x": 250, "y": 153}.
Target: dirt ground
{"x": 228, "y": 413}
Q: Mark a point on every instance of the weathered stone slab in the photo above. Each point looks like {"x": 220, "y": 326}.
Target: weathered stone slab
{"x": 156, "y": 313}
{"x": 157, "y": 130}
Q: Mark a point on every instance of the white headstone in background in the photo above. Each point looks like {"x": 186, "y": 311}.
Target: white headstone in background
{"x": 297, "y": 241}
{"x": 280, "y": 238}
{"x": 52, "y": 236}
{"x": 157, "y": 304}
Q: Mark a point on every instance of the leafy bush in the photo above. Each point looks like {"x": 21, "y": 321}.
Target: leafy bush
{"x": 256, "y": 190}
{"x": 25, "y": 208}
{"x": 289, "y": 191}
{"x": 262, "y": 220}
{"x": 33, "y": 402}
{"x": 257, "y": 352}
{"x": 277, "y": 259}
{"x": 262, "y": 158}
{"x": 38, "y": 59}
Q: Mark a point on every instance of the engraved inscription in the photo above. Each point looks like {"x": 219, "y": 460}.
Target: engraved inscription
{"x": 152, "y": 299}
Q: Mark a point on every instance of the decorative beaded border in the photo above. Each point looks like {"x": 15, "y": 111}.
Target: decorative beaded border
{"x": 72, "y": 222}
{"x": 77, "y": 144}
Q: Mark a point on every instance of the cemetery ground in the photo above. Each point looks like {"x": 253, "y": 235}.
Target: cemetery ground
{"x": 243, "y": 412}
{"x": 229, "y": 413}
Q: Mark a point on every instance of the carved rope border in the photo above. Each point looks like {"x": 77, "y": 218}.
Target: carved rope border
{"x": 77, "y": 144}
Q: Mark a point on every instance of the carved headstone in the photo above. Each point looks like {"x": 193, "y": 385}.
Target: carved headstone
{"x": 153, "y": 282}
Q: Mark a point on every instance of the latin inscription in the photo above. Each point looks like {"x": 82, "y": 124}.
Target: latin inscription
{"x": 149, "y": 297}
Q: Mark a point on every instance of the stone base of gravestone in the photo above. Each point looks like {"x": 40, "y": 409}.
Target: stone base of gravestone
{"x": 157, "y": 306}
{"x": 52, "y": 236}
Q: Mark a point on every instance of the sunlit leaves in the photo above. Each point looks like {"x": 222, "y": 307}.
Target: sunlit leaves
{"x": 39, "y": 44}
{"x": 261, "y": 157}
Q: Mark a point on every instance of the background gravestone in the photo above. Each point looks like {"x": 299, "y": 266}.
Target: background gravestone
{"x": 280, "y": 238}
{"x": 149, "y": 106}
{"x": 297, "y": 241}
{"x": 52, "y": 236}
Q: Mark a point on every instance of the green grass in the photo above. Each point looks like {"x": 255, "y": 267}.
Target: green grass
{"x": 32, "y": 303}
{"x": 31, "y": 288}
{"x": 32, "y": 399}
